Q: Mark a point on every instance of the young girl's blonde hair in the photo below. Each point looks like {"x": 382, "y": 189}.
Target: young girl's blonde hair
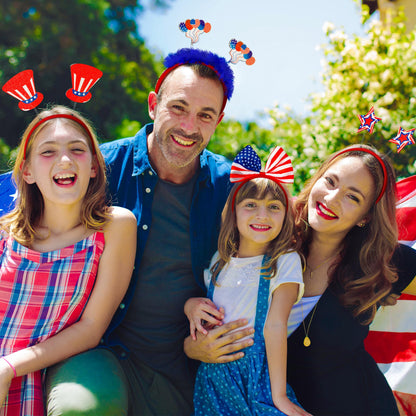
{"x": 229, "y": 238}
{"x": 27, "y": 214}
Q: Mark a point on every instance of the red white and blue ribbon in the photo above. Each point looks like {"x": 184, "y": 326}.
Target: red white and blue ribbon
{"x": 247, "y": 166}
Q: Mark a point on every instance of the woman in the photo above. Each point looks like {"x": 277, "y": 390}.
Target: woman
{"x": 347, "y": 225}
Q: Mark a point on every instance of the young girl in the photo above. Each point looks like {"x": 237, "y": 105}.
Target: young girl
{"x": 66, "y": 258}
{"x": 256, "y": 274}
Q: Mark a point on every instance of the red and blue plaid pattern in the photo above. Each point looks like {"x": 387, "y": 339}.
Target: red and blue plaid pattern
{"x": 41, "y": 294}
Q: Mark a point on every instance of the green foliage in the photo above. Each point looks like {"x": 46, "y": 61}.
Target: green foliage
{"x": 377, "y": 69}
{"x": 48, "y": 36}
{"x": 7, "y": 155}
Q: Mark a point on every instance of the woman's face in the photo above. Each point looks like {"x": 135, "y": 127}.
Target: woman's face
{"x": 341, "y": 198}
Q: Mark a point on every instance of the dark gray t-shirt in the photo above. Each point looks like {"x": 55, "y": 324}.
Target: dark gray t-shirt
{"x": 155, "y": 325}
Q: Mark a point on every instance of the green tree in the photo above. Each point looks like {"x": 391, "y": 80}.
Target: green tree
{"x": 376, "y": 70}
{"x": 48, "y": 36}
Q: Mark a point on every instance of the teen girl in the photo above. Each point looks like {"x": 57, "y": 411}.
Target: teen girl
{"x": 256, "y": 274}
{"x": 66, "y": 257}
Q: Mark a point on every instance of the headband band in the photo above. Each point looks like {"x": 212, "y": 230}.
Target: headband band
{"x": 379, "y": 159}
{"x": 247, "y": 166}
{"x": 67, "y": 116}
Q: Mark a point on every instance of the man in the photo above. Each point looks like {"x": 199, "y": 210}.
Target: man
{"x": 177, "y": 190}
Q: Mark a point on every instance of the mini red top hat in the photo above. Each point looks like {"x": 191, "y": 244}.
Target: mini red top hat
{"x": 83, "y": 78}
{"x": 22, "y": 87}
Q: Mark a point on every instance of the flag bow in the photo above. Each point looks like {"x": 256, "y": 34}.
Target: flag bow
{"x": 247, "y": 166}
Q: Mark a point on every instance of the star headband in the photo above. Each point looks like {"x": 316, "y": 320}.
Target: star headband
{"x": 22, "y": 87}
{"x": 247, "y": 166}
{"x": 402, "y": 139}
{"x": 193, "y": 29}
{"x": 379, "y": 159}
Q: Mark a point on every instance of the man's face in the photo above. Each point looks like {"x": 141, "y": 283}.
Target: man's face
{"x": 185, "y": 117}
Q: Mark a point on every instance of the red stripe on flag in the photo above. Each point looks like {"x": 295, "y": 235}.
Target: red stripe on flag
{"x": 389, "y": 347}
{"x": 406, "y": 188}
{"x": 403, "y": 296}
{"x": 406, "y": 223}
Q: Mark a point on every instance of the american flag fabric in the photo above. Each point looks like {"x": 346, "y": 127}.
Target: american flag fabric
{"x": 41, "y": 294}
{"x": 392, "y": 337}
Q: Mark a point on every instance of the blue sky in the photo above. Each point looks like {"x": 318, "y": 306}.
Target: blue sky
{"x": 283, "y": 35}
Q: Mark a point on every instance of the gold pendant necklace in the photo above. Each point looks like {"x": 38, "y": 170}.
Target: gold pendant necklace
{"x": 307, "y": 340}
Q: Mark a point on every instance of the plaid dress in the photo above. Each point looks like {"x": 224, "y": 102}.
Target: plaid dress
{"x": 41, "y": 294}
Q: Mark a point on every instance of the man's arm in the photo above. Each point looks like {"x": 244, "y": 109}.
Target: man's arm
{"x": 219, "y": 345}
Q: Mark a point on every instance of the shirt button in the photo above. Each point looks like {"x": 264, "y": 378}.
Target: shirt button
{"x": 148, "y": 190}
{"x": 145, "y": 227}
{"x": 150, "y": 173}
{"x": 122, "y": 306}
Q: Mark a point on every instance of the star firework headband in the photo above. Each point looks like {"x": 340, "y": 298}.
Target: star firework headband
{"x": 193, "y": 29}
{"x": 402, "y": 139}
{"x": 22, "y": 87}
{"x": 247, "y": 166}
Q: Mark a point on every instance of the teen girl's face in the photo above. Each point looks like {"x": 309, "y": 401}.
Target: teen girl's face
{"x": 60, "y": 163}
{"x": 341, "y": 198}
{"x": 259, "y": 221}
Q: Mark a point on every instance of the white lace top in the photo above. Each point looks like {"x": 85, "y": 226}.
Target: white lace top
{"x": 238, "y": 284}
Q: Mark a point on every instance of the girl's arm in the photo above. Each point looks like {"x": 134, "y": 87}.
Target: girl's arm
{"x": 113, "y": 277}
{"x": 199, "y": 310}
{"x": 275, "y": 336}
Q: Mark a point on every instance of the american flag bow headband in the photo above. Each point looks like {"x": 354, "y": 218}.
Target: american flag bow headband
{"x": 247, "y": 166}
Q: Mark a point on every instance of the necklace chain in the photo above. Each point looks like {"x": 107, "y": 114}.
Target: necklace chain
{"x": 307, "y": 340}
{"x": 311, "y": 271}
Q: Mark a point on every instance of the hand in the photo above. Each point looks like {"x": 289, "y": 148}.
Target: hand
{"x": 289, "y": 408}
{"x": 199, "y": 310}
{"x": 219, "y": 345}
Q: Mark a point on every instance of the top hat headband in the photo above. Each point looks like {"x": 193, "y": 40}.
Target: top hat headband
{"x": 193, "y": 29}
{"x": 22, "y": 87}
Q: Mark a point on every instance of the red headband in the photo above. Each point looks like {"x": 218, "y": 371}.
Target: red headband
{"x": 68, "y": 116}
{"x": 383, "y": 166}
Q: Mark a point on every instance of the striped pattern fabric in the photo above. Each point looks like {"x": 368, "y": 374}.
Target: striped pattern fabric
{"x": 392, "y": 337}
{"x": 41, "y": 294}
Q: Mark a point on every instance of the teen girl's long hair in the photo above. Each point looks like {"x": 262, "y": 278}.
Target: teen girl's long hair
{"x": 364, "y": 275}
{"x": 27, "y": 214}
{"x": 229, "y": 239}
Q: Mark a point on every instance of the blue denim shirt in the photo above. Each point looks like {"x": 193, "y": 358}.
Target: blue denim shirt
{"x": 131, "y": 183}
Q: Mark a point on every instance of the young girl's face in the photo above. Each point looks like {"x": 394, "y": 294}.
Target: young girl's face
{"x": 341, "y": 198}
{"x": 259, "y": 221}
{"x": 60, "y": 163}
